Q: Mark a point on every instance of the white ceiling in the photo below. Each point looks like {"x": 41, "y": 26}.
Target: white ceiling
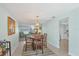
{"x": 26, "y": 12}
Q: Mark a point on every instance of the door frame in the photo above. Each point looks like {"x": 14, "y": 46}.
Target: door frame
{"x": 60, "y": 22}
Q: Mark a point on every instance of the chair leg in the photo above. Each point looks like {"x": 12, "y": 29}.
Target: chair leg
{"x": 42, "y": 47}
{"x": 36, "y": 47}
{"x": 42, "y": 50}
{"x": 26, "y": 45}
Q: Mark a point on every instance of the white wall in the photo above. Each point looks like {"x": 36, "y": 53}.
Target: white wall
{"x": 52, "y": 31}
{"x": 73, "y": 31}
{"x": 4, "y": 28}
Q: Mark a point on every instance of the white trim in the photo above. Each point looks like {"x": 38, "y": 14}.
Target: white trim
{"x": 52, "y": 48}
{"x": 57, "y": 50}
{"x": 71, "y": 54}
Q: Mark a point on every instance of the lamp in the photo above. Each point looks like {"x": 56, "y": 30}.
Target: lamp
{"x": 37, "y": 27}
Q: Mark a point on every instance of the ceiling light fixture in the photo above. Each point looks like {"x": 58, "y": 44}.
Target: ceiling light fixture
{"x": 37, "y": 27}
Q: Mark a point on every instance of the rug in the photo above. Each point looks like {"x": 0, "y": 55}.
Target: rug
{"x": 30, "y": 52}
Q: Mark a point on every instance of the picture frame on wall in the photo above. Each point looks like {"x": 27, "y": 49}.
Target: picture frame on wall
{"x": 11, "y": 26}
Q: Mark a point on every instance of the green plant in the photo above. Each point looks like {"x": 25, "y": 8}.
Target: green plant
{"x": 3, "y": 46}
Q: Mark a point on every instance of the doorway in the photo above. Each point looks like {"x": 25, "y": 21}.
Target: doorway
{"x": 64, "y": 34}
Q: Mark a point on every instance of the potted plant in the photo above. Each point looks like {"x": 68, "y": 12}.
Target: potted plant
{"x": 2, "y": 48}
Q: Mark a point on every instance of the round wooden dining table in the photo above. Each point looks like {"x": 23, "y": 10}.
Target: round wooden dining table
{"x": 35, "y": 39}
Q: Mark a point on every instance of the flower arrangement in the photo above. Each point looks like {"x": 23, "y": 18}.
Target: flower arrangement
{"x": 2, "y": 47}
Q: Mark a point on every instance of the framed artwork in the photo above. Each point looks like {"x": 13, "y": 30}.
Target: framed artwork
{"x": 0, "y": 25}
{"x": 11, "y": 26}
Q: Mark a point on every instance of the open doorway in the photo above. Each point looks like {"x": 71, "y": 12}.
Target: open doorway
{"x": 64, "y": 34}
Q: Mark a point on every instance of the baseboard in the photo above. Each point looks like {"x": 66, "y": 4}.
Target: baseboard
{"x": 57, "y": 50}
{"x": 72, "y": 54}
{"x": 52, "y": 48}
